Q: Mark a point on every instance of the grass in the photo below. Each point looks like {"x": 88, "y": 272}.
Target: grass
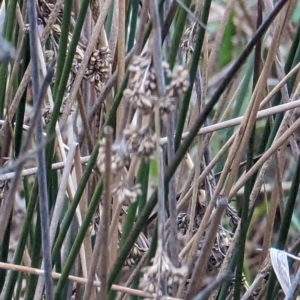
{"x": 148, "y": 148}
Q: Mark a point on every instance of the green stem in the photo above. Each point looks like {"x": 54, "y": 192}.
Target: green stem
{"x": 134, "y": 16}
{"x": 241, "y": 98}
{"x": 71, "y": 212}
{"x": 21, "y": 245}
{"x": 63, "y": 43}
{"x": 4, "y": 252}
{"x": 193, "y": 70}
{"x": 35, "y": 259}
{"x": 224, "y": 290}
{"x": 178, "y": 31}
{"x": 143, "y": 217}
{"x": 285, "y": 225}
{"x": 9, "y": 28}
{"x": 244, "y": 221}
{"x": 63, "y": 83}
{"x": 78, "y": 241}
{"x": 142, "y": 178}
{"x": 292, "y": 60}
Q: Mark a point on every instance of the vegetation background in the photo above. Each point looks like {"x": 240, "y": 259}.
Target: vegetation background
{"x": 149, "y": 149}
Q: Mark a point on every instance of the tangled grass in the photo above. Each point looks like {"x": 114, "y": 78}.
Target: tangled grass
{"x": 149, "y": 149}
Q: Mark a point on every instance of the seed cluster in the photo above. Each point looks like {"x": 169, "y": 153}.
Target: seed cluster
{"x": 162, "y": 268}
{"x": 119, "y": 158}
{"x": 97, "y": 70}
{"x": 140, "y": 142}
{"x": 190, "y": 38}
{"x": 141, "y": 92}
{"x": 125, "y": 193}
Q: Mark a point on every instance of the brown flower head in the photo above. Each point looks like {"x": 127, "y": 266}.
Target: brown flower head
{"x": 161, "y": 270}
{"x": 119, "y": 158}
{"x": 139, "y": 141}
{"x": 140, "y": 99}
{"x": 125, "y": 193}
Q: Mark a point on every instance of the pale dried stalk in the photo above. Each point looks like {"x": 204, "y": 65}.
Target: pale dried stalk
{"x": 82, "y": 280}
{"x": 113, "y": 228}
{"x": 201, "y": 264}
{"x": 57, "y": 211}
{"x": 241, "y": 142}
{"x": 245, "y": 130}
{"x": 237, "y": 121}
{"x": 275, "y": 146}
{"x": 247, "y": 16}
{"x": 32, "y": 171}
{"x": 121, "y": 45}
{"x": 187, "y": 195}
{"x": 161, "y": 90}
{"x": 194, "y": 200}
{"x": 61, "y": 192}
{"x": 19, "y": 18}
{"x": 228, "y": 256}
{"x": 260, "y": 178}
{"x": 264, "y": 270}
{"x": 136, "y": 270}
{"x": 288, "y": 11}
{"x": 62, "y": 156}
{"x": 102, "y": 236}
{"x": 197, "y": 237}
{"x": 219, "y": 36}
{"x": 207, "y": 138}
{"x": 228, "y": 108}
{"x": 114, "y": 29}
{"x": 241, "y": 138}
{"x": 277, "y": 193}
{"x": 121, "y": 64}
{"x": 282, "y": 130}
{"x": 286, "y": 99}
{"x": 83, "y": 204}
{"x": 263, "y": 161}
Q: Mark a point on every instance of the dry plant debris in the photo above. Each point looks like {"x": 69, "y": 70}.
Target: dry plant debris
{"x": 159, "y": 175}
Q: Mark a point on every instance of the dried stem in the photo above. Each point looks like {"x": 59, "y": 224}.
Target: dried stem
{"x": 201, "y": 264}
{"x": 81, "y": 280}
{"x": 157, "y": 61}
{"x": 121, "y": 60}
{"x": 102, "y": 235}
{"x": 42, "y": 176}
